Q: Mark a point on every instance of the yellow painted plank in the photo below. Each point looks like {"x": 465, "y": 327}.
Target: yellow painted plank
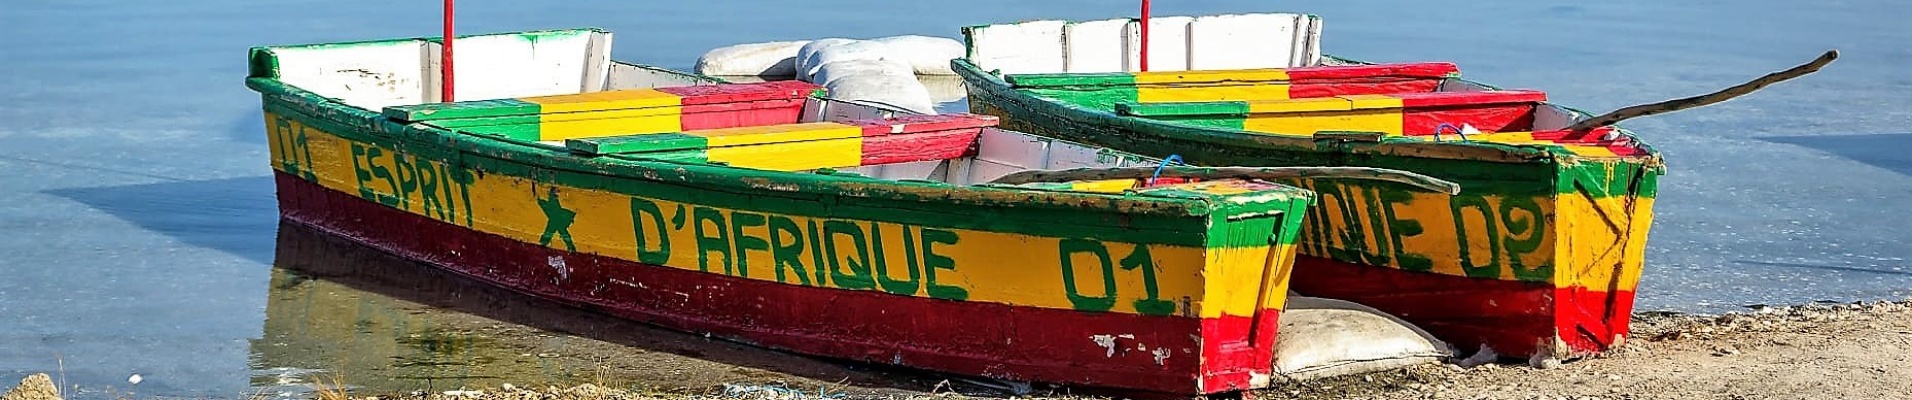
{"x": 1103, "y": 186}
{"x": 1372, "y": 101}
{"x": 606, "y": 100}
{"x": 1245, "y": 75}
{"x": 777, "y": 133}
{"x": 590, "y": 128}
{"x": 1231, "y": 92}
{"x": 1311, "y": 104}
{"x": 1304, "y": 123}
{"x": 792, "y": 156}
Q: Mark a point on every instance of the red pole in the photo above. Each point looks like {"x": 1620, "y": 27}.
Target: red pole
{"x": 1145, "y": 35}
{"x": 445, "y": 65}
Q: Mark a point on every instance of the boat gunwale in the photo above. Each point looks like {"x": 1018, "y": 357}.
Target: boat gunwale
{"x": 1385, "y": 146}
{"x": 263, "y": 78}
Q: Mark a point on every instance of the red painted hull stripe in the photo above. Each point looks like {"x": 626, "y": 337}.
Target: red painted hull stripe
{"x": 1513, "y": 317}
{"x": 982, "y": 339}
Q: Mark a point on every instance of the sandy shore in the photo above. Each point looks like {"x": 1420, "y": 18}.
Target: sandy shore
{"x": 1817, "y": 351}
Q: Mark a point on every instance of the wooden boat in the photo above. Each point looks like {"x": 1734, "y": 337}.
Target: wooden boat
{"x": 1540, "y": 257}
{"x": 770, "y": 214}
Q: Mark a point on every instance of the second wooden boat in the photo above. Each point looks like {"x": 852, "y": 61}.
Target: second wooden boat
{"x": 1539, "y": 257}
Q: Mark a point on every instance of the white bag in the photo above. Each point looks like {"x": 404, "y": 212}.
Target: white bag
{"x": 840, "y": 69}
{"x": 1322, "y": 338}
{"x": 853, "y": 50}
{"x": 893, "y": 90}
{"x": 927, "y": 55}
{"x": 775, "y": 59}
{"x": 810, "y": 49}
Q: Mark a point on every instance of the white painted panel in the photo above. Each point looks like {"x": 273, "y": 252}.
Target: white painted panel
{"x": 1012, "y": 148}
{"x": 632, "y": 76}
{"x": 520, "y": 65}
{"x": 434, "y": 78}
{"x": 1244, "y": 41}
{"x": 927, "y": 170}
{"x": 984, "y": 171}
{"x": 1168, "y": 43}
{"x": 1312, "y": 56}
{"x": 1096, "y": 46}
{"x": 1021, "y": 48}
{"x": 597, "y": 62}
{"x": 1550, "y": 118}
{"x": 370, "y": 76}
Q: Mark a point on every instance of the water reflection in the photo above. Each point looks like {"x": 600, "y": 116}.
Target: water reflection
{"x": 339, "y": 311}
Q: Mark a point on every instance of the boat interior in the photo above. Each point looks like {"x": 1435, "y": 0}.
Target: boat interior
{"x": 1264, "y": 74}
{"x": 560, "y": 91}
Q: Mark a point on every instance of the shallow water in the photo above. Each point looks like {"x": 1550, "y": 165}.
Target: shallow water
{"x": 141, "y": 230}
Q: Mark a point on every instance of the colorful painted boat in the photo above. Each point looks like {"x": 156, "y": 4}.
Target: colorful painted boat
{"x": 1541, "y": 255}
{"x": 770, "y": 214}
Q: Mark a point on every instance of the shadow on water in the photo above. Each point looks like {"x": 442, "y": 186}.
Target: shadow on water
{"x": 230, "y": 215}
{"x": 1884, "y": 150}
{"x": 344, "y": 311}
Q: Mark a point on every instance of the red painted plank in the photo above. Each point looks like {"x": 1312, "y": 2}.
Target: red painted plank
{"x": 1402, "y": 70}
{"x": 942, "y": 145}
{"x": 736, "y": 92}
{"x": 1418, "y": 121}
{"x": 909, "y": 124}
{"x": 1486, "y": 97}
{"x": 984, "y": 339}
{"x": 1511, "y": 316}
{"x": 1362, "y": 86}
{"x": 740, "y": 114}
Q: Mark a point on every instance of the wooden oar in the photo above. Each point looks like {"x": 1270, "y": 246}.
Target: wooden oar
{"x": 1702, "y": 100}
{"x": 1093, "y": 174}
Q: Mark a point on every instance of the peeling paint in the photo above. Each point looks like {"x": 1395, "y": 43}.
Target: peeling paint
{"x": 1161, "y": 355}
{"x": 557, "y": 263}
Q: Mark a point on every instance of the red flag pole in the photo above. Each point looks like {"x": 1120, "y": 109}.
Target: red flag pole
{"x": 444, "y": 67}
{"x": 1145, "y": 35}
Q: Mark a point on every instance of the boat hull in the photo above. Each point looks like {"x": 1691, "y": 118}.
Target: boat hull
{"x": 1539, "y": 255}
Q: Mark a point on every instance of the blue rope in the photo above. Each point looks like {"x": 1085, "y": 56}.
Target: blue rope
{"x": 1158, "y": 169}
{"x": 1457, "y": 131}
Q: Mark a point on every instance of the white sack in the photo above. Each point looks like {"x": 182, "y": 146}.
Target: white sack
{"x": 754, "y": 59}
{"x": 810, "y": 49}
{"x": 898, "y": 91}
{"x": 840, "y": 69}
{"x": 1322, "y": 338}
{"x": 853, "y": 50}
{"x": 927, "y": 55}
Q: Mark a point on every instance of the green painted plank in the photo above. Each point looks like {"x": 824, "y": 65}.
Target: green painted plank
{"x": 1071, "y": 79}
{"x": 654, "y": 142}
{"x": 462, "y": 109}
{"x": 1234, "y": 109}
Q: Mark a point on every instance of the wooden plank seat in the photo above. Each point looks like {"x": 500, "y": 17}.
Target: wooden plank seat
{"x": 804, "y": 146}
{"x": 619, "y": 112}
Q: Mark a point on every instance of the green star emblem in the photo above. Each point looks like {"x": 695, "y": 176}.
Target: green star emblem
{"x": 557, "y": 221}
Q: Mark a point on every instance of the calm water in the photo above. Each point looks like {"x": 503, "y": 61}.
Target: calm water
{"x": 141, "y": 234}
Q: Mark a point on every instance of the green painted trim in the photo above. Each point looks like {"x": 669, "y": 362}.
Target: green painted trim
{"x": 1223, "y": 109}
